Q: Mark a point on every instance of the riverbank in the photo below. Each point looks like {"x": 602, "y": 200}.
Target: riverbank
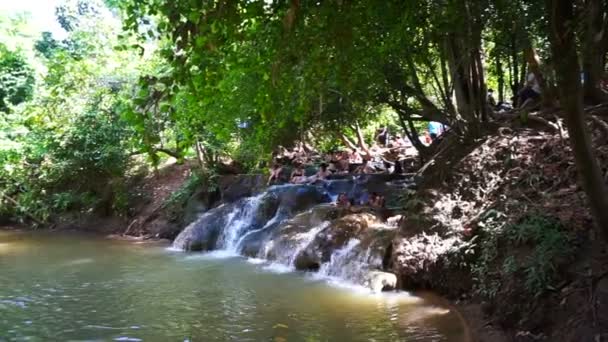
{"x": 501, "y": 227}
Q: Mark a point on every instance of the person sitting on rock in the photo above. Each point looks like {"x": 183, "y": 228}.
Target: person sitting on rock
{"x": 371, "y": 199}
{"x": 297, "y": 175}
{"x": 354, "y": 157}
{"x": 323, "y": 172}
{"x": 321, "y": 175}
{"x": 343, "y": 163}
{"x": 364, "y": 168}
{"x": 275, "y": 173}
{"x": 531, "y": 91}
{"x": 398, "y": 142}
{"x": 343, "y": 200}
{"x": 378, "y": 202}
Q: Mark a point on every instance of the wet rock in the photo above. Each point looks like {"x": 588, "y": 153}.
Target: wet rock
{"x": 296, "y": 233}
{"x": 234, "y": 187}
{"x": 202, "y": 234}
{"x": 279, "y": 204}
{"x": 379, "y": 281}
{"x": 335, "y": 236}
{"x": 357, "y": 186}
{"x": 201, "y": 201}
{"x": 360, "y": 224}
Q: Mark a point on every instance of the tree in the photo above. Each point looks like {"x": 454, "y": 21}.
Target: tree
{"x": 16, "y": 79}
{"x": 562, "y": 22}
{"x": 46, "y": 45}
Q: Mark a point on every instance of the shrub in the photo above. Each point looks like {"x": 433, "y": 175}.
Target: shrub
{"x": 531, "y": 249}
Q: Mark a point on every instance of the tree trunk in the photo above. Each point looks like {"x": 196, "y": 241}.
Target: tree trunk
{"x": 199, "y": 155}
{"x": 360, "y": 139}
{"x": 412, "y": 134}
{"x": 594, "y": 51}
{"x": 463, "y": 47}
{"x": 515, "y": 72}
{"x": 563, "y": 46}
{"x": 422, "y": 149}
{"x": 501, "y": 78}
{"x": 347, "y": 141}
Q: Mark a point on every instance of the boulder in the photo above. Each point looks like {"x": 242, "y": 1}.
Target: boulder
{"x": 202, "y": 234}
{"x": 286, "y": 201}
{"x": 293, "y": 235}
{"x": 201, "y": 201}
{"x": 234, "y": 187}
{"x": 349, "y": 224}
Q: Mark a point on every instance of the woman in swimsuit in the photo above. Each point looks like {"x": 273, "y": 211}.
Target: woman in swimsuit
{"x": 297, "y": 175}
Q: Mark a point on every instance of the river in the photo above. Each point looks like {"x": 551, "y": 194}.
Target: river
{"x": 78, "y": 287}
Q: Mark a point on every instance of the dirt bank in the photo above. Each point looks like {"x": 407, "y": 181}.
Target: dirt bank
{"x": 501, "y": 227}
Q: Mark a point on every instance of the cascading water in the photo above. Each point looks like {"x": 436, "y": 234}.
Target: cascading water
{"x": 344, "y": 262}
{"x": 229, "y": 227}
{"x": 264, "y": 226}
{"x": 287, "y": 254}
{"x": 358, "y": 265}
{"x": 239, "y": 220}
{"x": 239, "y": 244}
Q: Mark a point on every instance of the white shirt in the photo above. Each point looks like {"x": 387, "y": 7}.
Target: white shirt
{"x": 533, "y": 82}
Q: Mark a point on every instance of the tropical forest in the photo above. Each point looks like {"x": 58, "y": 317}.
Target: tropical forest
{"x": 294, "y": 170}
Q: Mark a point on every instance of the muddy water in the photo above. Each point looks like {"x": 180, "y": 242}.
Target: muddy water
{"x": 57, "y": 287}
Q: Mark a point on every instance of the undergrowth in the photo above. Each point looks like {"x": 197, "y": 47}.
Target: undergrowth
{"x": 175, "y": 204}
{"x": 526, "y": 253}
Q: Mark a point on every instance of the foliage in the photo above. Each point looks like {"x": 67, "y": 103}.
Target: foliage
{"x": 231, "y": 80}
{"x": 176, "y": 203}
{"x": 67, "y": 146}
{"x": 526, "y": 253}
{"x": 16, "y": 78}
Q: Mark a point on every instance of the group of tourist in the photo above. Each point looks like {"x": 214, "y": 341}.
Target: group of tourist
{"x": 374, "y": 200}
{"x": 355, "y": 161}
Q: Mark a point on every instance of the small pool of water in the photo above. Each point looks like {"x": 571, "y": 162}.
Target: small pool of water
{"x": 59, "y": 287}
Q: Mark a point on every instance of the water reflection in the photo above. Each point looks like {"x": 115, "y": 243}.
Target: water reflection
{"x": 77, "y": 287}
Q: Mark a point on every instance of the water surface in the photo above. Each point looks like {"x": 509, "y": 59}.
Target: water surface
{"x": 58, "y": 287}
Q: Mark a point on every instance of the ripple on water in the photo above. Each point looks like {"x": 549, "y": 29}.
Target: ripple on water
{"x": 128, "y": 339}
{"x": 132, "y": 294}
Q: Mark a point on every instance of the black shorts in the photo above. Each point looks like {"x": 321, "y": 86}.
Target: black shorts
{"x": 528, "y": 93}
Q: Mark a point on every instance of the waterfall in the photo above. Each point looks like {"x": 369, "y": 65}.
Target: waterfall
{"x": 237, "y": 223}
{"x": 287, "y": 254}
{"x": 287, "y": 226}
{"x": 305, "y": 239}
{"x": 276, "y": 219}
{"x": 357, "y": 265}
{"x": 245, "y": 223}
{"x": 336, "y": 266}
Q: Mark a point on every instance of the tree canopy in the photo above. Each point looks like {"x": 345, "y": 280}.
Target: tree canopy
{"x": 234, "y": 79}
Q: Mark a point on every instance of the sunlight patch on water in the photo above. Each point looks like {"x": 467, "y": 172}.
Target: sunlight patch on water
{"x": 79, "y": 262}
{"x": 278, "y": 268}
{"x": 217, "y": 254}
{"x": 256, "y": 261}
